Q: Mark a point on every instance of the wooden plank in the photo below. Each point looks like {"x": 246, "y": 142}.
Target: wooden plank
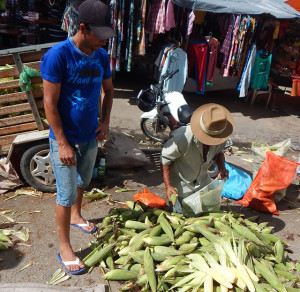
{"x": 16, "y": 120}
{"x": 9, "y": 73}
{"x": 18, "y": 108}
{"x": 18, "y": 128}
{"x": 32, "y": 56}
{"x": 14, "y": 72}
{"x": 15, "y": 83}
{"x": 9, "y": 84}
{"x": 6, "y": 59}
{"x": 36, "y": 80}
{"x": 18, "y": 96}
{"x": 5, "y": 141}
{"x": 12, "y": 97}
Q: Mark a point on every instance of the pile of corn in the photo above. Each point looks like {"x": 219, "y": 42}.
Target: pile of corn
{"x": 154, "y": 250}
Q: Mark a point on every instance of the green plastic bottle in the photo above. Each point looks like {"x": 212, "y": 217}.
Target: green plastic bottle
{"x": 101, "y": 168}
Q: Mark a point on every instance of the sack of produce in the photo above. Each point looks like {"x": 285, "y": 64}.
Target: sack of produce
{"x": 149, "y": 199}
{"x": 259, "y": 154}
{"x": 276, "y": 173}
{"x": 207, "y": 199}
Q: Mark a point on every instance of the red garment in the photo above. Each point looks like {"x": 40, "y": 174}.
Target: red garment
{"x": 214, "y": 46}
{"x": 197, "y": 56}
{"x": 157, "y": 17}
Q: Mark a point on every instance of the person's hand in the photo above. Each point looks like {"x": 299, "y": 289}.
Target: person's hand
{"x": 169, "y": 191}
{"x": 101, "y": 131}
{"x": 67, "y": 154}
{"x": 223, "y": 174}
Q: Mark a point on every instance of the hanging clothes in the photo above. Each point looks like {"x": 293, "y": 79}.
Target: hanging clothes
{"x": 247, "y": 45}
{"x": 197, "y": 57}
{"x": 112, "y": 43}
{"x": 156, "y": 20}
{"x": 214, "y": 47}
{"x": 70, "y": 21}
{"x": 128, "y": 55}
{"x": 170, "y": 16}
{"x": 246, "y": 76}
{"x": 261, "y": 70}
{"x": 233, "y": 45}
{"x": 120, "y": 23}
{"x": 225, "y": 50}
{"x": 141, "y": 39}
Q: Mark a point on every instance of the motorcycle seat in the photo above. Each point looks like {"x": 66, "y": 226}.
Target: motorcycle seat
{"x": 185, "y": 113}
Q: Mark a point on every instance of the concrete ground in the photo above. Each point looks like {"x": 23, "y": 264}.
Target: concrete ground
{"x": 251, "y": 124}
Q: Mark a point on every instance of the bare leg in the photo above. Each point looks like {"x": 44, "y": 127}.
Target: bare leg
{"x": 76, "y": 217}
{"x": 63, "y": 215}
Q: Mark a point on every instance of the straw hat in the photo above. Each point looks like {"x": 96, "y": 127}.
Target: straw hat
{"x": 212, "y": 124}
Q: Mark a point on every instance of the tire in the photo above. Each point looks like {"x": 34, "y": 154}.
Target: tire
{"x": 148, "y": 127}
{"x": 36, "y": 168}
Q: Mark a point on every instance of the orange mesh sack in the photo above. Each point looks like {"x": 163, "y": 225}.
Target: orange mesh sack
{"x": 149, "y": 199}
{"x": 275, "y": 173}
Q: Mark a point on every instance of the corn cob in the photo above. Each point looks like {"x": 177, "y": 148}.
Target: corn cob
{"x": 166, "y": 264}
{"x": 97, "y": 255}
{"x": 166, "y": 227}
{"x": 120, "y": 275}
{"x": 149, "y": 269}
{"x": 109, "y": 261}
{"x": 184, "y": 238}
{"x": 136, "y": 225}
{"x": 4, "y": 237}
{"x": 155, "y": 240}
{"x": 155, "y": 231}
{"x": 269, "y": 275}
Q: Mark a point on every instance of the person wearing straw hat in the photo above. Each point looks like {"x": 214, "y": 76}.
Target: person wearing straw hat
{"x": 192, "y": 149}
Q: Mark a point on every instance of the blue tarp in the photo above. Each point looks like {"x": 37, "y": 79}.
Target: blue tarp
{"x": 277, "y": 8}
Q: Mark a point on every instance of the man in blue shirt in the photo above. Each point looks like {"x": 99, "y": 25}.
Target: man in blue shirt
{"x": 73, "y": 73}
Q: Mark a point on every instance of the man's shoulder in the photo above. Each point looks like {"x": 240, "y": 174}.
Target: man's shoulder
{"x": 60, "y": 47}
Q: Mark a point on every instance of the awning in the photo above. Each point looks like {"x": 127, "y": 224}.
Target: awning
{"x": 277, "y": 8}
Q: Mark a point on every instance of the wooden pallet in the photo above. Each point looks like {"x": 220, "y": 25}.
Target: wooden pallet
{"x": 20, "y": 112}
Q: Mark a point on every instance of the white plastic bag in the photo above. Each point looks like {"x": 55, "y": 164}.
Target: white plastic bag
{"x": 208, "y": 199}
{"x": 259, "y": 154}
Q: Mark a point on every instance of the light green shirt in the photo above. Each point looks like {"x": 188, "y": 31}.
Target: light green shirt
{"x": 184, "y": 154}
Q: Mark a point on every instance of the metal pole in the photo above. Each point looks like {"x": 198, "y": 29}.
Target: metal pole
{"x": 29, "y": 94}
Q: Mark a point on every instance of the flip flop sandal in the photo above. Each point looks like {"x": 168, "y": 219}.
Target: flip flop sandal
{"x": 87, "y": 224}
{"x": 69, "y": 263}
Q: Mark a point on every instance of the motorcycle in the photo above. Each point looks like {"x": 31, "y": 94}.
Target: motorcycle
{"x": 166, "y": 112}
{"x": 163, "y": 112}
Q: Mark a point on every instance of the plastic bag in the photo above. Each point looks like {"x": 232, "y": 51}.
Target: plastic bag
{"x": 207, "y": 199}
{"x": 149, "y": 199}
{"x": 275, "y": 173}
{"x": 237, "y": 184}
{"x": 25, "y": 77}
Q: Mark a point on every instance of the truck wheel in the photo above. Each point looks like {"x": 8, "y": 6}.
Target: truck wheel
{"x": 36, "y": 168}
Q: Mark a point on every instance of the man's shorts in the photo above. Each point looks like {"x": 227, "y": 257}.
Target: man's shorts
{"x": 68, "y": 178}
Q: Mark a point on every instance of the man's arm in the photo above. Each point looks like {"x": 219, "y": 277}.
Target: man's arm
{"x": 51, "y": 97}
{"x": 220, "y": 161}
{"x": 166, "y": 177}
{"x": 106, "y": 106}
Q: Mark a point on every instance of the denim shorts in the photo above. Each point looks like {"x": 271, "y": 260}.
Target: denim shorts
{"x": 68, "y": 178}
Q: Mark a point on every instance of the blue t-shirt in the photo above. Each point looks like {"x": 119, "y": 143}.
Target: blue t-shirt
{"x": 80, "y": 76}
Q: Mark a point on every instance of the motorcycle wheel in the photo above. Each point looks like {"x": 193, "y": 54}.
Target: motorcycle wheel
{"x": 158, "y": 133}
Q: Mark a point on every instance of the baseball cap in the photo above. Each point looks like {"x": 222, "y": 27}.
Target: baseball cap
{"x": 97, "y": 15}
